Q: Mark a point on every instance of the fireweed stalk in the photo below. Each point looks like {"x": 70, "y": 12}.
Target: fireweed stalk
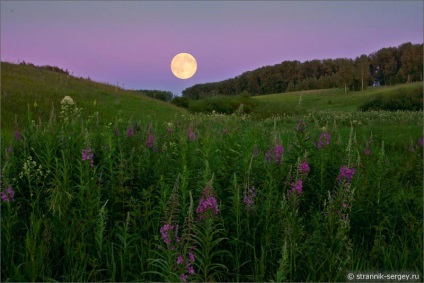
{"x": 249, "y": 198}
{"x": 8, "y": 194}
{"x": 150, "y": 140}
{"x": 275, "y": 155}
{"x": 191, "y": 135}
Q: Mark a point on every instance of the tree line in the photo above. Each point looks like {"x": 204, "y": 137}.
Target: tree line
{"x": 158, "y": 94}
{"x": 387, "y": 66}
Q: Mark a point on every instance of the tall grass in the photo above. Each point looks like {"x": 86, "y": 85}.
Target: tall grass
{"x": 212, "y": 197}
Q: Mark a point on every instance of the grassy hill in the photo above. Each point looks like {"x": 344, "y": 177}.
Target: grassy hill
{"x": 22, "y": 85}
{"x": 330, "y": 99}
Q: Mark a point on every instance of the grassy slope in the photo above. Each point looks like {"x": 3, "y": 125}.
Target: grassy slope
{"x": 328, "y": 99}
{"x": 23, "y": 85}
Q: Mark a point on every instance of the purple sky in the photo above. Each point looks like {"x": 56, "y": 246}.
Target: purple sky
{"x": 134, "y": 42}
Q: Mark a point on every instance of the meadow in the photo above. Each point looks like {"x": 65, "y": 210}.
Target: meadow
{"x": 207, "y": 197}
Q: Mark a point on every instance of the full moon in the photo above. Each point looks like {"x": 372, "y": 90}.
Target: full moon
{"x": 183, "y": 66}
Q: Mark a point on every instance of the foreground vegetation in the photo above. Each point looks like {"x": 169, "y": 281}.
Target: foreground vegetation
{"x": 211, "y": 197}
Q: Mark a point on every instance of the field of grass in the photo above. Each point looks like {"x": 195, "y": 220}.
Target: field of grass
{"x": 229, "y": 198}
{"x": 23, "y": 85}
{"x": 327, "y": 99}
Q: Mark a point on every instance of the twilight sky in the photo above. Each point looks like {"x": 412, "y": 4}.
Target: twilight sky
{"x": 134, "y": 42}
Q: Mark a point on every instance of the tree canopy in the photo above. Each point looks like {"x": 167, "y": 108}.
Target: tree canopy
{"x": 387, "y": 66}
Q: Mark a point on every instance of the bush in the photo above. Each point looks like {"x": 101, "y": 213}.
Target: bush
{"x": 223, "y": 104}
{"x": 412, "y": 101}
{"x": 181, "y": 101}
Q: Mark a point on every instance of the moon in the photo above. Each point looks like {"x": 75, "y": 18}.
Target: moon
{"x": 183, "y": 66}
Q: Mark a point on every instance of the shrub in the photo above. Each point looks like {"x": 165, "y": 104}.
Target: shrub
{"x": 412, "y": 101}
{"x": 224, "y": 104}
{"x": 181, "y": 101}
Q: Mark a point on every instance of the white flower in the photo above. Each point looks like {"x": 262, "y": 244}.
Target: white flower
{"x": 67, "y": 100}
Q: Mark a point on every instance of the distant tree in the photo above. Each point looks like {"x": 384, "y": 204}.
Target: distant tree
{"x": 345, "y": 72}
{"x": 361, "y": 73}
{"x": 411, "y": 62}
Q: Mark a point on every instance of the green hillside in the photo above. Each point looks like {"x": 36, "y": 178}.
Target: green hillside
{"x": 22, "y": 85}
{"x": 330, "y": 99}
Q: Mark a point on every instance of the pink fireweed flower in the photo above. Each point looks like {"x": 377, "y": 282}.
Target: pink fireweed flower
{"x": 297, "y": 187}
{"x": 17, "y": 135}
{"x": 150, "y": 140}
{"x": 116, "y": 132}
{"x": 183, "y": 277}
{"x": 191, "y": 256}
{"x": 324, "y": 140}
{"x": 8, "y": 194}
{"x": 301, "y": 126}
{"x": 170, "y": 130}
{"x": 367, "y": 151}
{"x": 130, "y": 132}
{"x": 190, "y": 269}
{"x": 344, "y": 205}
{"x": 304, "y": 168}
{"x": 346, "y": 174}
{"x": 87, "y": 154}
{"x": 420, "y": 142}
{"x": 164, "y": 230}
{"x": 207, "y": 205}
{"x": 191, "y": 134}
{"x": 180, "y": 259}
{"x": 276, "y": 155}
{"x": 249, "y": 197}
{"x": 255, "y": 151}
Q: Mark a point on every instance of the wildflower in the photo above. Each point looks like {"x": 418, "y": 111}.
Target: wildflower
{"x": 150, "y": 140}
{"x": 190, "y": 269}
{"x": 180, "y": 259}
{"x": 276, "y": 155}
{"x": 67, "y": 100}
{"x": 191, "y": 134}
{"x": 304, "y": 168}
{"x": 324, "y": 140}
{"x": 183, "y": 277}
{"x": 207, "y": 204}
{"x": 87, "y": 154}
{"x": 116, "y": 132}
{"x": 130, "y": 132}
{"x": 344, "y": 205}
{"x": 164, "y": 233}
{"x": 7, "y": 195}
{"x": 367, "y": 151}
{"x": 191, "y": 256}
{"x": 301, "y": 126}
{"x": 17, "y": 135}
{"x": 249, "y": 197}
{"x": 170, "y": 130}
{"x": 420, "y": 142}
{"x": 255, "y": 151}
{"x": 297, "y": 187}
{"x": 346, "y": 174}
{"x": 9, "y": 149}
